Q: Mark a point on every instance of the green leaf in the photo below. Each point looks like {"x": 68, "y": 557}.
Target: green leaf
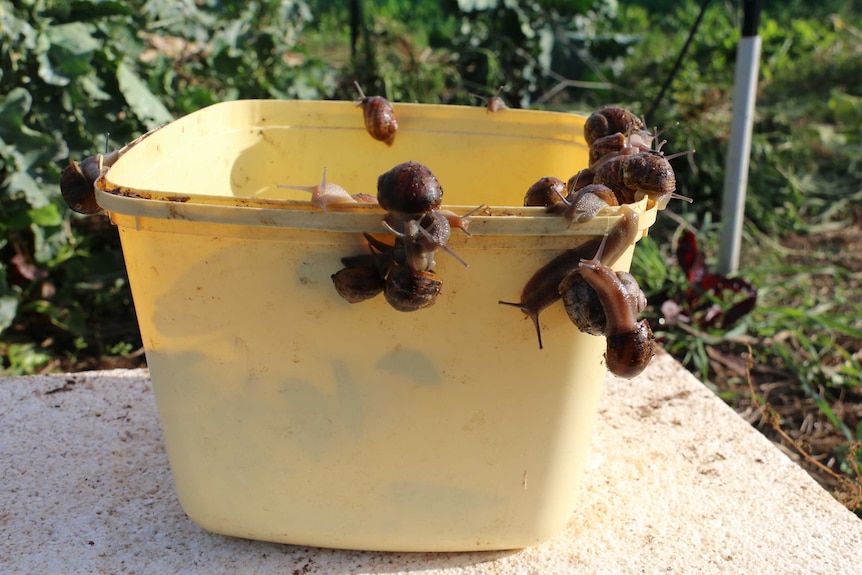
{"x": 13, "y": 107}
{"x": 71, "y": 51}
{"x": 47, "y": 215}
{"x": 140, "y": 99}
{"x": 8, "y": 308}
{"x": 8, "y": 302}
{"x": 75, "y": 38}
{"x": 37, "y": 195}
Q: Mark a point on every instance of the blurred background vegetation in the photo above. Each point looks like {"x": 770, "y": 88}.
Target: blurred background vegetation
{"x": 77, "y": 75}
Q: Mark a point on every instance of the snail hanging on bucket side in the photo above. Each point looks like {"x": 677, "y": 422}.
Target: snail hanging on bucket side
{"x": 542, "y": 289}
{"x": 629, "y": 342}
{"x": 403, "y": 271}
{"x": 380, "y": 120}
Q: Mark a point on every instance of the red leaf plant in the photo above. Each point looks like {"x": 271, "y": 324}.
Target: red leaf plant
{"x": 709, "y": 300}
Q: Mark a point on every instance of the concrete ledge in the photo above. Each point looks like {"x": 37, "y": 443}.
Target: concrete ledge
{"x": 677, "y": 483}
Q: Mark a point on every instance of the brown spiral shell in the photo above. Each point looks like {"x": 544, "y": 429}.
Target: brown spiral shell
{"x": 545, "y": 192}
{"x": 410, "y": 290}
{"x": 380, "y": 120}
{"x": 610, "y": 120}
{"x": 410, "y": 188}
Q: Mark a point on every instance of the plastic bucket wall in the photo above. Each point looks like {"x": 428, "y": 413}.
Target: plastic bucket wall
{"x": 291, "y": 415}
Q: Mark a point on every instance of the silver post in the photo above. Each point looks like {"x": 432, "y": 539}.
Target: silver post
{"x": 739, "y": 149}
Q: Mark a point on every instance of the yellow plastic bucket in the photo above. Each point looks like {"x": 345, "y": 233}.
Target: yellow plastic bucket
{"x": 293, "y": 416}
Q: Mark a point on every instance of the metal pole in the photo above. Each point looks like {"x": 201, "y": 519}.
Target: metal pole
{"x": 739, "y": 149}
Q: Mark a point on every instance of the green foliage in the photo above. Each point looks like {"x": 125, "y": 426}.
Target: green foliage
{"x": 75, "y": 71}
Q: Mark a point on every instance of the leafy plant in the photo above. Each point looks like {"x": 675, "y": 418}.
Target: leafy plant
{"x": 70, "y": 73}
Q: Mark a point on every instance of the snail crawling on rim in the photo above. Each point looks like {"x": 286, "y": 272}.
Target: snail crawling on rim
{"x": 647, "y": 172}
{"x": 326, "y": 194}
{"x": 380, "y": 120}
{"x": 78, "y": 181}
{"x": 493, "y": 104}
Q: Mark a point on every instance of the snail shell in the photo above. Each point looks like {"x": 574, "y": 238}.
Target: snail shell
{"x": 410, "y": 290}
{"x": 628, "y": 354}
{"x": 610, "y": 120}
{"x": 409, "y": 188}
{"x": 545, "y": 192}
{"x": 78, "y": 182}
{"x": 584, "y": 307}
{"x": 610, "y": 173}
{"x": 583, "y": 178}
{"x": 651, "y": 173}
{"x": 380, "y": 120}
{"x": 357, "y": 284}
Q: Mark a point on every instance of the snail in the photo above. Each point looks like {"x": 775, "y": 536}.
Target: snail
{"x": 583, "y": 305}
{"x": 617, "y": 144}
{"x": 629, "y": 341}
{"x": 585, "y": 203}
{"x": 493, "y": 104}
{"x": 647, "y": 172}
{"x": 407, "y": 289}
{"x": 652, "y": 174}
{"x": 460, "y": 222}
{"x": 380, "y": 120}
{"x": 358, "y": 283}
{"x": 325, "y": 194}
{"x": 610, "y": 120}
{"x": 545, "y": 192}
{"x": 409, "y": 188}
{"x": 542, "y": 289}
{"x": 78, "y": 181}
{"x": 422, "y": 237}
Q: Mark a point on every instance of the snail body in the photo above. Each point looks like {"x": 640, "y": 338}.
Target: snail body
{"x": 460, "y": 222}
{"x": 584, "y": 204}
{"x": 325, "y": 194}
{"x": 380, "y": 120}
